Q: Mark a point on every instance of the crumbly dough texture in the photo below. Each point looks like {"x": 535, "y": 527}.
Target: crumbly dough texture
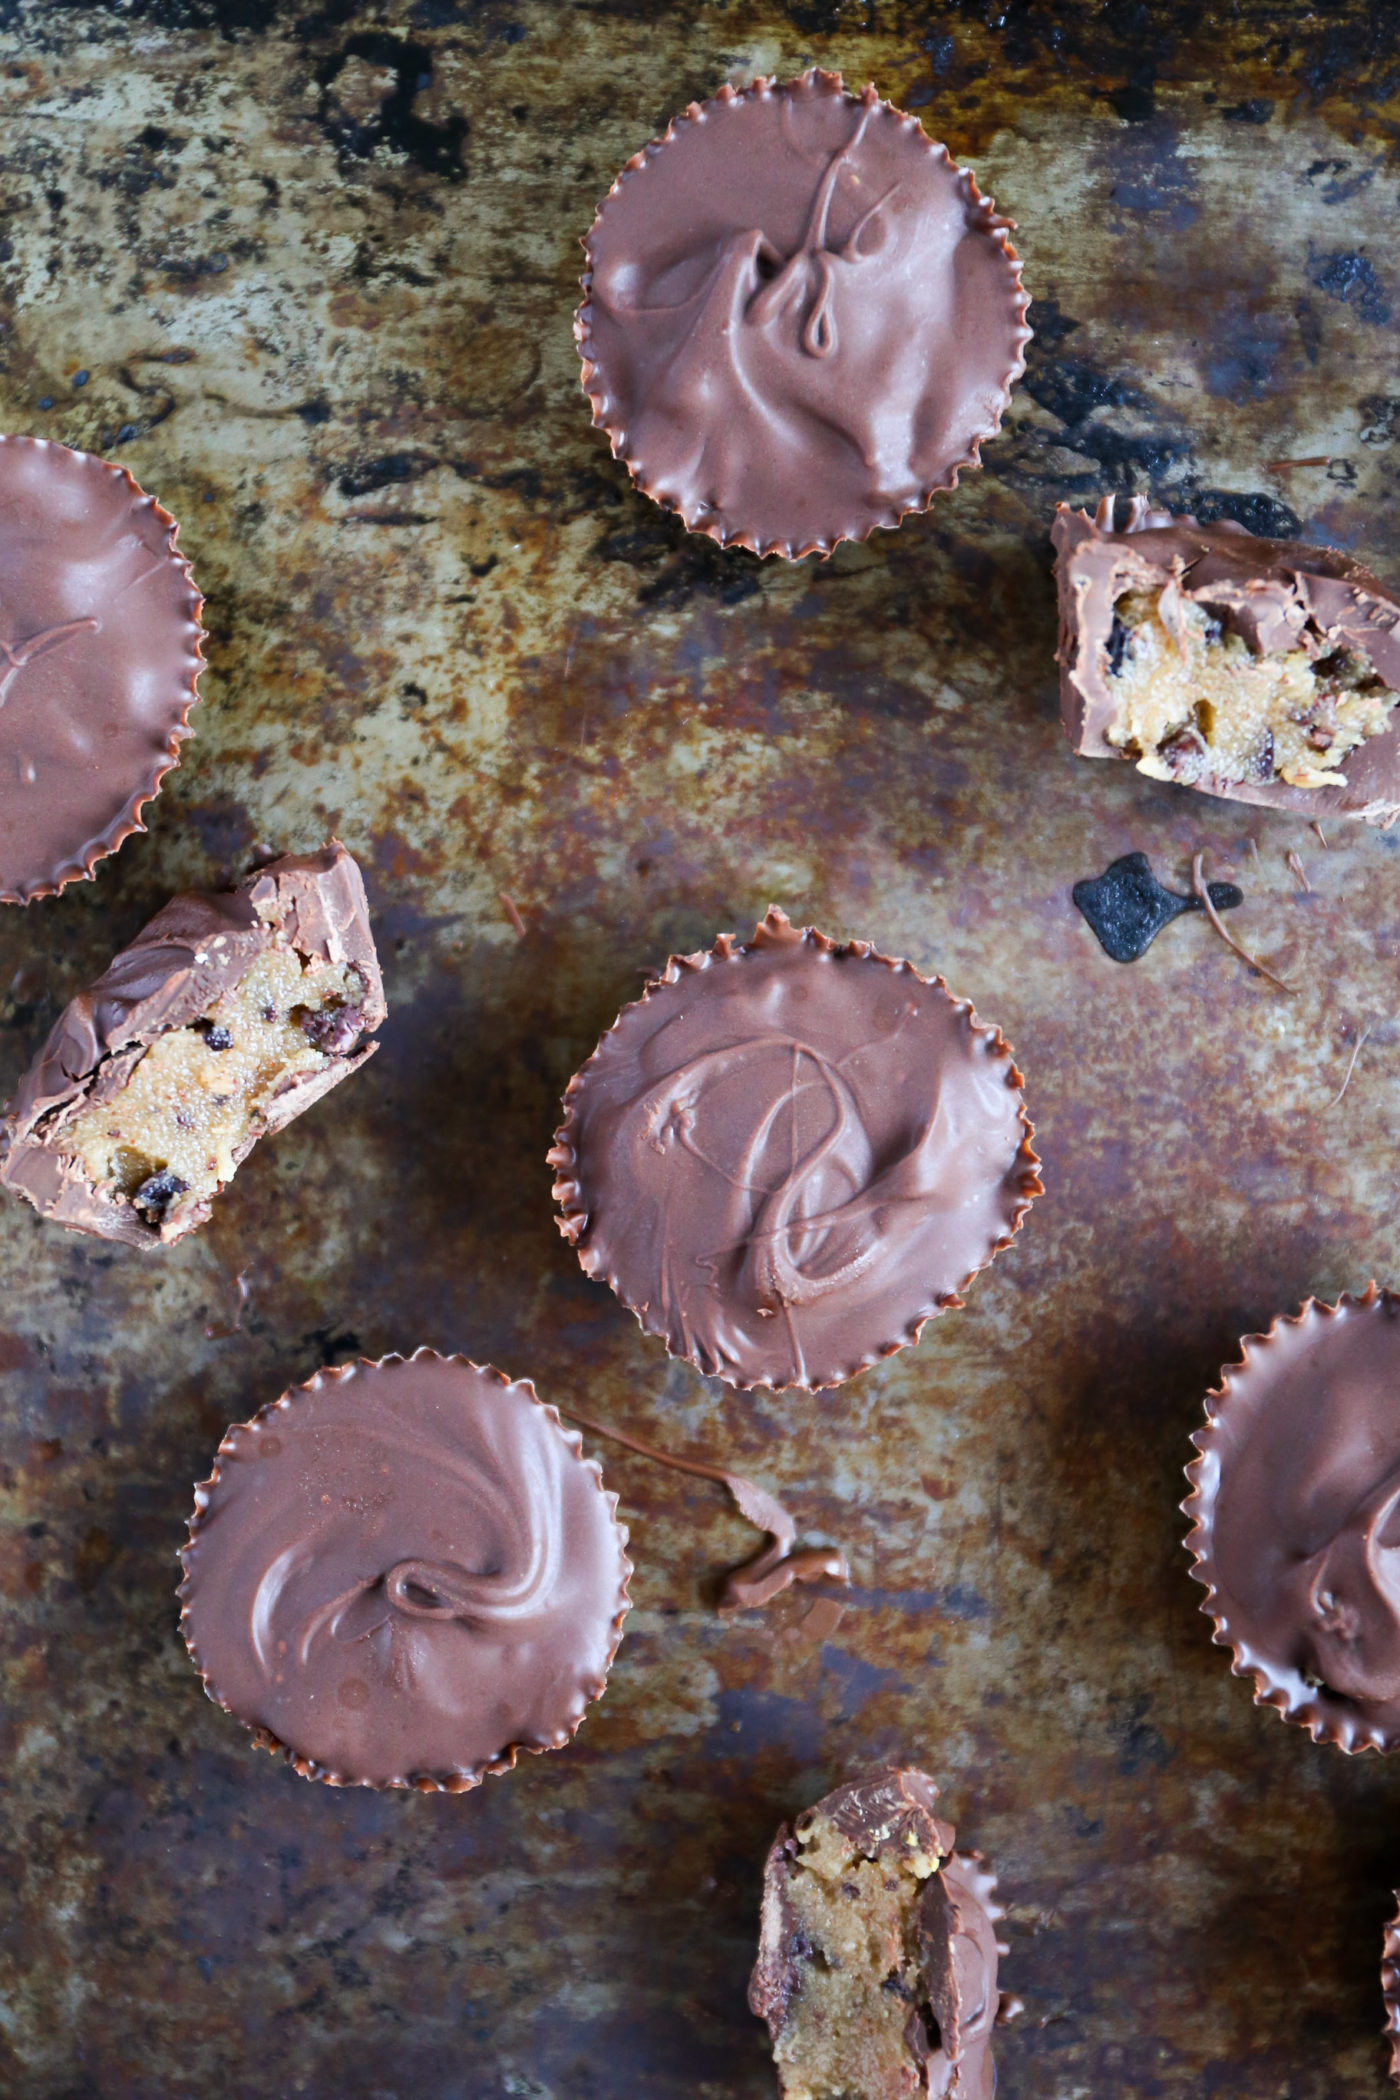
{"x": 175, "y": 1132}
{"x": 844, "y": 2036}
{"x": 1195, "y": 701}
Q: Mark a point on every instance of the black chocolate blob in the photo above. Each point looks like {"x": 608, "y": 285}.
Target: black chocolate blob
{"x": 1127, "y": 907}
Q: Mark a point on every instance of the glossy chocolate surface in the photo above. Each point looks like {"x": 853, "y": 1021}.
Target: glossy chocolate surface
{"x": 99, "y": 653}
{"x": 1277, "y": 595}
{"x": 1127, "y": 906}
{"x": 788, "y": 1155}
{"x": 196, "y": 948}
{"x": 1296, "y": 1508}
{"x": 890, "y": 1813}
{"x": 801, "y": 318}
{"x": 404, "y": 1573}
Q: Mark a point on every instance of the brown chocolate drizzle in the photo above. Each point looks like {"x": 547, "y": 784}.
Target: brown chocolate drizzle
{"x": 758, "y": 1581}
{"x": 1351, "y": 1067}
{"x": 1202, "y": 889}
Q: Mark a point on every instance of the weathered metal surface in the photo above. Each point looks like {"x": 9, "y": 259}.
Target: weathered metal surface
{"x": 319, "y": 269}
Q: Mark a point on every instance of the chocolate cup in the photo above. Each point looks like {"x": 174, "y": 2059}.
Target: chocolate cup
{"x": 196, "y": 948}
{"x": 901, "y": 1184}
{"x": 684, "y": 417}
{"x": 100, "y": 671}
{"x": 1311, "y": 1489}
{"x": 203, "y": 1526}
{"x": 1390, "y": 1989}
{"x": 1270, "y": 584}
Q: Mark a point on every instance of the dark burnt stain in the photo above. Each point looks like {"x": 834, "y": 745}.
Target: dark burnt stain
{"x": 388, "y": 117}
{"x": 1254, "y": 509}
{"x": 1352, "y": 280}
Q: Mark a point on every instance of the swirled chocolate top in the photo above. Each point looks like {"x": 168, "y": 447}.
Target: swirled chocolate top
{"x": 800, "y": 318}
{"x": 1296, "y": 1508}
{"x": 263, "y": 997}
{"x": 99, "y": 653}
{"x": 878, "y": 1949}
{"x": 403, "y": 1573}
{"x": 1310, "y": 620}
{"x": 789, "y": 1154}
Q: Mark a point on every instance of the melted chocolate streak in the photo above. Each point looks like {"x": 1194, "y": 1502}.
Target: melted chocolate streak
{"x": 772, "y": 1270}
{"x": 1127, "y": 907}
{"x": 758, "y": 1581}
{"x": 18, "y": 654}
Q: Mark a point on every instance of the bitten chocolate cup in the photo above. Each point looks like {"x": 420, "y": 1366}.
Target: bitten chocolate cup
{"x": 877, "y": 1957}
{"x": 404, "y": 1573}
{"x": 1295, "y": 1509}
{"x": 99, "y": 658}
{"x": 800, "y": 319}
{"x": 1390, "y": 1989}
{"x": 790, "y": 1153}
{"x": 1262, "y": 671}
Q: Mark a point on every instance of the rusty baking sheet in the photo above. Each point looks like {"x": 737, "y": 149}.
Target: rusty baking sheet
{"x": 310, "y": 273}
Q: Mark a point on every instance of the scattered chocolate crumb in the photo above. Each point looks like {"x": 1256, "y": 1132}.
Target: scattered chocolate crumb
{"x": 1199, "y": 885}
{"x": 1321, "y": 834}
{"x": 1127, "y": 907}
{"x": 508, "y": 906}
{"x": 1300, "y": 872}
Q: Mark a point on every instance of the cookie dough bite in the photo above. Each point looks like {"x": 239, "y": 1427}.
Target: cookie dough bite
{"x": 877, "y": 1959}
{"x": 403, "y": 1573}
{"x": 1263, "y": 671}
{"x": 1295, "y": 1508}
{"x": 800, "y": 319}
{"x": 228, "y": 1016}
{"x": 790, "y": 1153}
{"x": 99, "y": 658}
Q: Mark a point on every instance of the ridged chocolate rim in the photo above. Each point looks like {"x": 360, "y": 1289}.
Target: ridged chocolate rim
{"x": 1390, "y": 1989}
{"x": 563, "y": 1155}
{"x": 1273, "y": 1686}
{"x": 463, "y": 1780}
{"x": 128, "y": 819}
{"x": 991, "y": 221}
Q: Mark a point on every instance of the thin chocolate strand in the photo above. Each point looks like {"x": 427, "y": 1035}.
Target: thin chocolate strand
{"x": 755, "y": 1582}
{"x": 1198, "y": 884}
{"x": 1351, "y": 1067}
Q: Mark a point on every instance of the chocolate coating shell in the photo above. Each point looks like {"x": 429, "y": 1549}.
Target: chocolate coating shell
{"x": 1296, "y": 1518}
{"x": 789, "y": 1154}
{"x": 99, "y": 655}
{"x": 1273, "y": 589}
{"x": 801, "y": 319}
{"x": 196, "y": 948}
{"x": 403, "y": 1573}
{"x": 1390, "y": 1989}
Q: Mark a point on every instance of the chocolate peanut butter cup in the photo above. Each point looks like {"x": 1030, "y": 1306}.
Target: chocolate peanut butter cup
{"x": 1263, "y": 671}
{"x": 1295, "y": 1508}
{"x": 800, "y": 318}
{"x": 99, "y": 657}
{"x": 877, "y": 1960}
{"x": 403, "y": 1573}
{"x": 790, "y": 1153}
{"x": 227, "y": 1016}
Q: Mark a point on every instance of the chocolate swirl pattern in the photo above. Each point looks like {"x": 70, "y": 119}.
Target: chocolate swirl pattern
{"x": 788, "y": 1155}
{"x": 1296, "y": 1518}
{"x": 801, "y": 319}
{"x": 403, "y": 1573}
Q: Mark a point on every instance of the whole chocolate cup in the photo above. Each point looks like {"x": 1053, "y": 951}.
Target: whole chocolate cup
{"x": 99, "y": 658}
{"x": 1271, "y": 587}
{"x": 409, "y": 1648}
{"x": 196, "y": 948}
{"x": 835, "y": 316}
{"x": 1294, "y": 1499}
{"x": 921, "y": 1170}
{"x": 1390, "y": 1989}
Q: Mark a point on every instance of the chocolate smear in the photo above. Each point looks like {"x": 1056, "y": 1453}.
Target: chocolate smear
{"x": 780, "y": 1564}
{"x": 1127, "y": 907}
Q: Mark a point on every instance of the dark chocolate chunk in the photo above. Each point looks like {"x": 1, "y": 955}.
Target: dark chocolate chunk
{"x": 217, "y": 1038}
{"x": 1127, "y": 906}
{"x": 157, "y": 1193}
{"x": 334, "y": 1029}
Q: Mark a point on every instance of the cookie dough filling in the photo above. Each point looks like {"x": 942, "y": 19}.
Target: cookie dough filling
{"x": 175, "y": 1131}
{"x": 1195, "y": 702}
{"x": 858, "y": 1949}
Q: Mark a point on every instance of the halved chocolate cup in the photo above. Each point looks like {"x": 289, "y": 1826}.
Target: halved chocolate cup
{"x": 404, "y": 1573}
{"x": 790, "y": 1153}
{"x": 800, "y": 318}
{"x": 99, "y": 659}
{"x": 1295, "y": 1518}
